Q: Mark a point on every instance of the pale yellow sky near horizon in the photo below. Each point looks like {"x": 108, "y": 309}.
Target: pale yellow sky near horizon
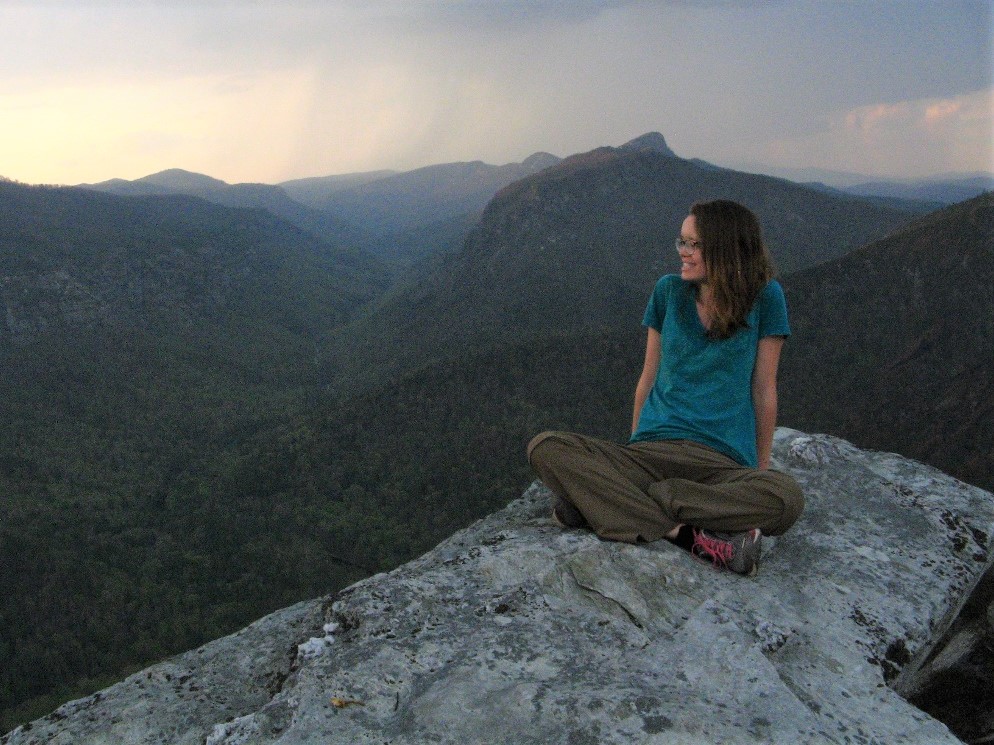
{"x": 260, "y": 92}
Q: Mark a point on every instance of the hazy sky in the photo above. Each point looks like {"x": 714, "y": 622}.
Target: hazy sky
{"x": 273, "y": 90}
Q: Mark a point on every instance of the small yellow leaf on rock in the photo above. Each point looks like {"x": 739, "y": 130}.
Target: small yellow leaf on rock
{"x": 341, "y": 703}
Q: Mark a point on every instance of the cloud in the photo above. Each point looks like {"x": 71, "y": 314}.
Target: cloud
{"x": 942, "y": 110}
{"x": 958, "y": 113}
{"x": 514, "y": 13}
{"x": 869, "y": 118}
{"x": 287, "y": 88}
{"x": 912, "y": 138}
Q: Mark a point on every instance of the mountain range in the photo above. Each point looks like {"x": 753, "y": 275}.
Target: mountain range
{"x": 579, "y": 246}
{"x": 212, "y": 411}
{"x": 351, "y": 208}
{"x": 943, "y": 191}
{"x": 273, "y": 199}
{"x": 401, "y": 201}
{"x": 394, "y": 214}
{"x": 939, "y": 190}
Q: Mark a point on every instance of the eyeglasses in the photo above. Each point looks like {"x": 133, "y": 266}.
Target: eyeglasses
{"x": 685, "y": 245}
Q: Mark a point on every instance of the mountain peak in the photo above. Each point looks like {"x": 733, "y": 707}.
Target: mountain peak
{"x": 650, "y": 142}
{"x": 540, "y": 161}
{"x": 180, "y": 180}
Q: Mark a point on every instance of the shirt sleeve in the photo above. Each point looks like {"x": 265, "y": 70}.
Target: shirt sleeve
{"x": 773, "y": 311}
{"x": 655, "y": 311}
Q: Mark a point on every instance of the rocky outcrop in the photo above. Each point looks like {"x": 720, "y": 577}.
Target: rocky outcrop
{"x": 956, "y": 684}
{"x": 35, "y": 302}
{"x": 650, "y": 142}
{"x": 515, "y": 631}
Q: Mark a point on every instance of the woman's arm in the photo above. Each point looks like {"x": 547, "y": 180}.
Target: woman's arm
{"x": 764, "y": 395}
{"x": 649, "y": 369}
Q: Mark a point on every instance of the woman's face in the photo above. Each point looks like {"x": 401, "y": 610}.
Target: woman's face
{"x": 692, "y": 267}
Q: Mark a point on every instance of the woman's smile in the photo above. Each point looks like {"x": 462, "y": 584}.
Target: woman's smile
{"x": 692, "y": 266}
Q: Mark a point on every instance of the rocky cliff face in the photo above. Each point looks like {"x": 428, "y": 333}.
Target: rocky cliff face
{"x": 515, "y": 631}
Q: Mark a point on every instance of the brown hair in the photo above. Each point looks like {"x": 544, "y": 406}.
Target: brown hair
{"x": 738, "y": 264}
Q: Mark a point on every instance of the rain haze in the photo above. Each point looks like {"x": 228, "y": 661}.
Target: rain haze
{"x": 269, "y": 91}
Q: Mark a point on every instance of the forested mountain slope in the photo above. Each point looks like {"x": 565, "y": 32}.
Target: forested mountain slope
{"x": 141, "y": 340}
{"x": 323, "y": 225}
{"x": 72, "y": 260}
{"x": 579, "y": 246}
{"x": 894, "y": 343}
{"x": 417, "y": 198}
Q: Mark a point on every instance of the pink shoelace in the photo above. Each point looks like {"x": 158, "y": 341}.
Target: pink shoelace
{"x": 719, "y": 551}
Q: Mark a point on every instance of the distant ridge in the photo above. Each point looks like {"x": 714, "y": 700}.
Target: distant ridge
{"x": 946, "y": 191}
{"x": 539, "y": 161}
{"x": 396, "y": 215}
{"x": 418, "y": 198}
{"x": 313, "y": 190}
{"x": 273, "y": 199}
{"x": 179, "y": 180}
{"x": 943, "y": 189}
{"x": 169, "y": 181}
{"x": 579, "y": 245}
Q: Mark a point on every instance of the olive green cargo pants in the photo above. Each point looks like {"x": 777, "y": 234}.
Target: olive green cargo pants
{"x": 641, "y": 491}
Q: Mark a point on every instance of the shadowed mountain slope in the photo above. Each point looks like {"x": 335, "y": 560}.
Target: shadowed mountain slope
{"x": 580, "y": 246}
{"x": 426, "y": 195}
{"x": 74, "y": 258}
{"x": 273, "y": 199}
{"x": 894, "y": 343}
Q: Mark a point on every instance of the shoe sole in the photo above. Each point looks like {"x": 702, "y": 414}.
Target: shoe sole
{"x": 751, "y": 572}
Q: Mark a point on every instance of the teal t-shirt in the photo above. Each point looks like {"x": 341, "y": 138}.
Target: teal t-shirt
{"x": 703, "y": 390}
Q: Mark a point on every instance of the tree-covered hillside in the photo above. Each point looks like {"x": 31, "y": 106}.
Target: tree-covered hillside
{"x": 579, "y": 246}
{"x": 894, "y": 343}
{"x": 275, "y": 200}
{"x": 141, "y": 340}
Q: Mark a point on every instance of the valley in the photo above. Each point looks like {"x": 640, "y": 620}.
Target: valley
{"x": 213, "y": 408}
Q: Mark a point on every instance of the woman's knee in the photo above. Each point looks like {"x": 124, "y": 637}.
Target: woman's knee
{"x": 544, "y": 438}
{"x": 791, "y": 497}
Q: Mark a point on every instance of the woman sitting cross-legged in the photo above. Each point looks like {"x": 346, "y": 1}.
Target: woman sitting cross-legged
{"x": 696, "y": 469}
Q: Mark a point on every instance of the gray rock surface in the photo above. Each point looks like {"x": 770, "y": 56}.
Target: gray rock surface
{"x": 177, "y": 701}
{"x": 516, "y": 631}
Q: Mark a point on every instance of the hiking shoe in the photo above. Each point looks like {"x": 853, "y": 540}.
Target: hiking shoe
{"x": 737, "y": 552}
{"x": 566, "y": 514}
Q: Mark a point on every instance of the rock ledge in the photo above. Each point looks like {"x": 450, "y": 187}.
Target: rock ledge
{"x": 515, "y": 631}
